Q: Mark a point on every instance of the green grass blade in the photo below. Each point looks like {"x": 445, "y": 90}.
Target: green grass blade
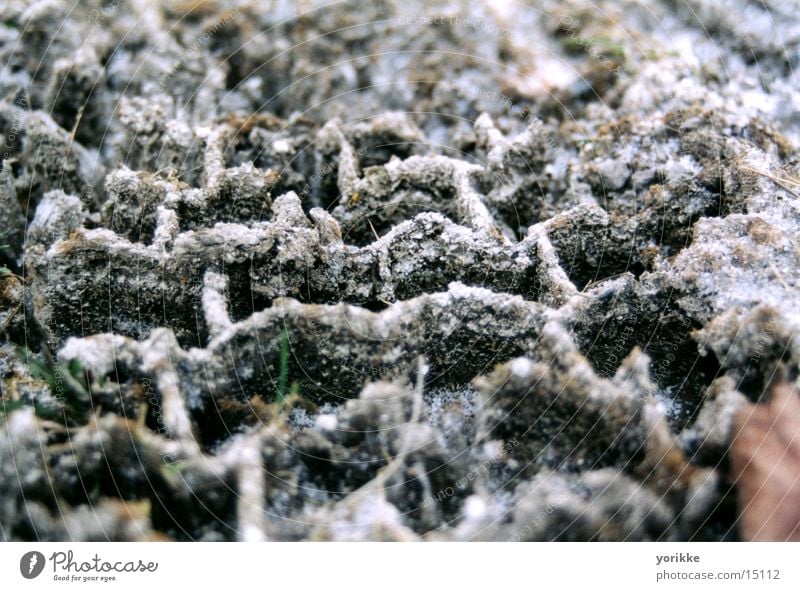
{"x": 283, "y": 372}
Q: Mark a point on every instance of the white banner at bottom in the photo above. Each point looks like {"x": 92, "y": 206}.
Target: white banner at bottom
{"x": 406, "y": 567}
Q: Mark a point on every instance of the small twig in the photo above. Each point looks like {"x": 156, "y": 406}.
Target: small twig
{"x": 373, "y": 230}
{"x": 780, "y": 181}
{"x": 604, "y": 279}
{"x": 78, "y": 118}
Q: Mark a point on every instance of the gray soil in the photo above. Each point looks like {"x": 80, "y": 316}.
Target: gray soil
{"x": 385, "y": 270}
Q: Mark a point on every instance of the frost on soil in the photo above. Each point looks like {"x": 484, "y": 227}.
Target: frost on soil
{"x": 357, "y": 275}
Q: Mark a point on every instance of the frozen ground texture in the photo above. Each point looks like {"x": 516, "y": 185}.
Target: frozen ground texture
{"x": 391, "y": 270}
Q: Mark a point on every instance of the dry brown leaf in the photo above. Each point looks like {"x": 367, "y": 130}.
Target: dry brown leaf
{"x": 765, "y": 457}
